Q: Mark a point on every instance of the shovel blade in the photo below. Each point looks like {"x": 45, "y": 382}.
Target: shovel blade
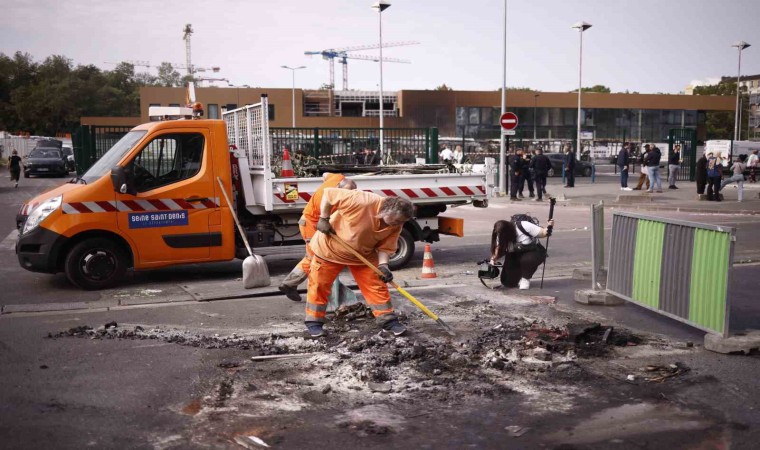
{"x": 255, "y": 272}
{"x": 340, "y": 295}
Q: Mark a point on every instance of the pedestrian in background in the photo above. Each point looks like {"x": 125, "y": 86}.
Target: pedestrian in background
{"x": 527, "y": 175}
{"x": 701, "y": 174}
{"x": 623, "y": 163}
{"x": 753, "y": 163}
{"x": 643, "y": 171}
{"x": 458, "y": 155}
{"x": 540, "y": 165}
{"x": 515, "y": 168}
{"x": 14, "y": 166}
{"x": 569, "y": 166}
{"x": 674, "y": 163}
{"x": 737, "y": 170}
{"x": 446, "y": 154}
{"x": 652, "y": 161}
{"x": 714, "y": 174}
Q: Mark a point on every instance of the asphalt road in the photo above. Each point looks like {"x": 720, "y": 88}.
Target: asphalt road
{"x": 122, "y": 393}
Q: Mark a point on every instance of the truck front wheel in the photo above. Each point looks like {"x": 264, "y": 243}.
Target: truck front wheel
{"x": 404, "y": 252}
{"x": 95, "y": 263}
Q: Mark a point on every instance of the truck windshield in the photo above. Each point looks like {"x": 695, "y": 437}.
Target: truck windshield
{"x": 113, "y": 156}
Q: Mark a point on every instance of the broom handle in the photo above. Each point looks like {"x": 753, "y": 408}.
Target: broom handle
{"x": 234, "y": 216}
{"x": 403, "y": 292}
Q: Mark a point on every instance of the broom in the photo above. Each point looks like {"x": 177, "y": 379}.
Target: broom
{"x": 255, "y": 271}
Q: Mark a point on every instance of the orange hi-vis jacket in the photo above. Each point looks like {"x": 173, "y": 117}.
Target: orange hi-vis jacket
{"x": 354, "y": 220}
{"x": 311, "y": 212}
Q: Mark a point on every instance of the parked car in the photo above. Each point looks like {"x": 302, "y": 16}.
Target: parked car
{"x": 582, "y": 168}
{"x": 45, "y": 161}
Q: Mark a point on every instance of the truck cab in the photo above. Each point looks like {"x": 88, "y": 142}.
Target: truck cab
{"x": 152, "y": 200}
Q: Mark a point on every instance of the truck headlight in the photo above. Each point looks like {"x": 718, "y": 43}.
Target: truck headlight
{"x": 41, "y": 212}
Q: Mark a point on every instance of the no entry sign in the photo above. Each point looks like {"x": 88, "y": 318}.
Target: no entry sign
{"x": 508, "y": 121}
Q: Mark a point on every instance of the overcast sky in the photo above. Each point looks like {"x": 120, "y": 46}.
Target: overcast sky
{"x": 640, "y": 45}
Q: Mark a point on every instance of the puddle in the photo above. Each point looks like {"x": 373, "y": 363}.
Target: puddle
{"x": 631, "y": 420}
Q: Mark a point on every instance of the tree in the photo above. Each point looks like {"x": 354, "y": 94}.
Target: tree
{"x": 720, "y": 124}
{"x": 443, "y": 87}
{"x": 167, "y": 76}
{"x": 596, "y": 88}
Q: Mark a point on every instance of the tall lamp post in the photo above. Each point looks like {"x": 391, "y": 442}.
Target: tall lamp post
{"x": 581, "y": 27}
{"x": 381, "y": 6}
{"x": 502, "y": 144}
{"x": 535, "y": 105}
{"x": 293, "y": 90}
{"x": 739, "y": 45}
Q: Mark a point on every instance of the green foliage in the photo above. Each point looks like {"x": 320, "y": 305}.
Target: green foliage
{"x": 50, "y": 97}
{"x": 720, "y": 124}
{"x": 596, "y": 88}
{"x": 443, "y": 87}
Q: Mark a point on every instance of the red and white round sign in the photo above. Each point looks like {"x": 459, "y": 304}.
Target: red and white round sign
{"x": 508, "y": 121}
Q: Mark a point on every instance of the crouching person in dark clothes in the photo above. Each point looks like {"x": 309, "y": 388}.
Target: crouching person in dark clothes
{"x": 518, "y": 241}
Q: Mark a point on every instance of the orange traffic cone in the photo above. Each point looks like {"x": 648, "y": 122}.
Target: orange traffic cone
{"x": 428, "y": 267}
{"x": 287, "y": 166}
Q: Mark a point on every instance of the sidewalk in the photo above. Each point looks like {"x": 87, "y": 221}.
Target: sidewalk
{"x": 606, "y": 188}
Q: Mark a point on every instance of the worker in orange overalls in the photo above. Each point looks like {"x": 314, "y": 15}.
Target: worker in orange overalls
{"x": 308, "y": 226}
{"x": 371, "y": 225}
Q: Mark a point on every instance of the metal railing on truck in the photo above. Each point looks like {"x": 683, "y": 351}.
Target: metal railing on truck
{"x": 353, "y": 146}
{"x": 308, "y": 147}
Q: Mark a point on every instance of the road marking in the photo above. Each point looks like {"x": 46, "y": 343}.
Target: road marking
{"x": 9, "y": 243}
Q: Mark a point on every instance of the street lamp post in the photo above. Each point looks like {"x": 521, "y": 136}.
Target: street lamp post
{"x": 581, "y": 27}
{"x": 535, "y": 105}
{"x": 739, "y": 45}
{"x": 293, "y": 89}
{"x": 381, "y": 6}
{"x": 502, "y": 144}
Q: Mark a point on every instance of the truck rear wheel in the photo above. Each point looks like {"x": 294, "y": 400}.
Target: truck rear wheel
{"x": 404, "y": 252}
{"x": 95, "y": 263}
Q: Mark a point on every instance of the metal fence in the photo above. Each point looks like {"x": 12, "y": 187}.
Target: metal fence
{"x": 679, "y": 269}
{"x": 93, "y": 141}
{"x": 357, "y": 146}
{"x": 597, "y": 244}
{"x": 687, "y": 139}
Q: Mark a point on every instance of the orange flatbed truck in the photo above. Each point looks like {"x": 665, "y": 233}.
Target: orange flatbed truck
{"x": 153, "y": 201}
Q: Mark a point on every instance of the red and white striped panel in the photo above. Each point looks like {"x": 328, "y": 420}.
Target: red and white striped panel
{"x": 164, "y": 204}
{"x": 411, "y": 194}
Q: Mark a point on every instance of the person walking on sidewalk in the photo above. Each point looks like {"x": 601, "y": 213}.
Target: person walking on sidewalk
{"x": 540, "y": 164}
{"x": 371, "y": 225}
{"x": 515, "y": 173}
{"x": 737, "y": 170}
{"x": 674, "y": 163}
{"x": 652, "y": 161}
{"x": 307, "y": 224}
{"x": 14, "y": 166}
{"x": 527, "y": 176}
{"x": 714, "y": 174}
{"x": 570, "y": 166}
{"x": 643, "y": 177}
{"x": 752, "y": 164}
{"x": 623, "y": 163}
{"x": 701, "y": 174}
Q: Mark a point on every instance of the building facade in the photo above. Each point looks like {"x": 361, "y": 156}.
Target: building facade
{"x": 466, "y": 114}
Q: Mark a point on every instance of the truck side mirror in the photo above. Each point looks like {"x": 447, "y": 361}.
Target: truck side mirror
{"x": 122, "y": 181}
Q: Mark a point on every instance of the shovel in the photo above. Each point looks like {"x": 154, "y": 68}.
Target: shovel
{"x": 255, "y": 271}
{"x": 401, "y": 290}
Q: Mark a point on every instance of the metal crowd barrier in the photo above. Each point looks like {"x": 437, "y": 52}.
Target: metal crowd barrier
{"x": 677, "y": 268}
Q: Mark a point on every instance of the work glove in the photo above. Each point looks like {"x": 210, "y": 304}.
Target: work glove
{"x": 387, "y": 274}
{"x": 324, "y": 226}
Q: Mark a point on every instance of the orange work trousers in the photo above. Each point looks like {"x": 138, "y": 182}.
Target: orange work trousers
{"x": 321, "y": 277}
{"x": 307, "y": 232}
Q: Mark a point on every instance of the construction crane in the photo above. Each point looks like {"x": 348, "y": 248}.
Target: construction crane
{"x": 186, "y": 37}
{"x": 147, "y": 64}
{"x": 342, "y": 54}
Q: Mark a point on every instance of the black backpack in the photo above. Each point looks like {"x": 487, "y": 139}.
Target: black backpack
{"x": 517, "y": 219}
